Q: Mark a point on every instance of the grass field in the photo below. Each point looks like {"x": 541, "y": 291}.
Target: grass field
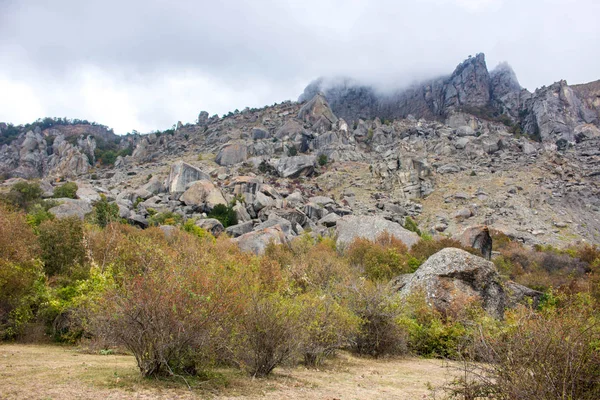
{"x": 58, "y": 372}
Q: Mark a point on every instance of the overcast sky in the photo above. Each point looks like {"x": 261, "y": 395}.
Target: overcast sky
{"x": 145, "y": 64}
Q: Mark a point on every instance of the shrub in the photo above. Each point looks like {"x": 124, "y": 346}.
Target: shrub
{"x": 322, "y": 160}
{"x": 269, "y": 333}
{"x": 62, "y": 248}
{"x": 24, "y": 195}
{"x": 164, "y": 218}
{"x": 327, "y": 327}
{"x": 380, "y": 260}
{"x": 548, "y": 355}
{"x": 225, "y": 214}
{"x": 197, "y": 231}
{"x": 432, "y": 334}
{"x": 105, "y": 212}
{"x": 37, "y": 215}
{"x": 21, "y": 275}
{"x": 378, "y": 309}
{"x": 67, "y": 190}
{"x": 171, "y": 301}
{"x": 411, "y": 225}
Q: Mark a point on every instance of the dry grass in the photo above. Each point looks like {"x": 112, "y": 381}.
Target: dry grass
{"x": 56, "y": 372}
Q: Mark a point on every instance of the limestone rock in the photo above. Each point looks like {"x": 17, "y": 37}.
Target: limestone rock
{"x": 181, "y": 175}
{"x": 71, "y": 208}
{"x": 351, "y": 227}
{"x": 212, "y": 225}
{"x": 452, "y": 275}
{"x": 293, "y": 167}
{"x": 257, "y": 241}
{"x": 203, "y": 193}
{"x": 478, "y": 237}
{"x": 232, "y": 153}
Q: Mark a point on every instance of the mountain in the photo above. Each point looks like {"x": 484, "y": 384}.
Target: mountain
{"x": 550, "y": 114}
{"x": 470, "y": 148}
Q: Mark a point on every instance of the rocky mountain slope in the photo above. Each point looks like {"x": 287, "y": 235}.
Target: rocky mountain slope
{"x": 454, "y": 152}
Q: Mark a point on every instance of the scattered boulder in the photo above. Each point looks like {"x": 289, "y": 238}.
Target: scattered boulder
{"x": 451, "y": 276}
{"x": 212, "y": 225}
{"x": 351, "y": 227}
{"x": 71, "y": 208}
{"x": 257, "y": 241}
{"x": 239, "y": 229}
{"x": 203, "y": 193}
{"x": 181, "y": 175}
{"x": 232, "y": 153}
{"x": 293, "y": 167}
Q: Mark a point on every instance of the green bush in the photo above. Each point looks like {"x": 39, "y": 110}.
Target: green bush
{"x": 322, "y": 159}
{"x": 381, "y": 260}
{"x": 327, "y": 327}
{"x": 105, "y": 212}
{"x": 269, "y": 333}
{"x": 225, "y": 214}
{"x": 67, "y": 190}
{"x": 164, "y": 218}
{"x": 63, "y": 251}
{"x": 24, "y": 195}
{"x": 21, "y": 274}
{"x": 191, "y": 227}
{"x": 411, "y": 225}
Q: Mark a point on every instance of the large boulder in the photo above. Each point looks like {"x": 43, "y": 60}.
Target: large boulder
{"x": 232, "y": 153}
{"x": 318, "y": 112}
{"x": 451, "y": 276}
{"x": 256, "y": 242}
{"x": 181, "y": 175}
{"x": 351, "y": 227}
{"x": 203, "y": 193}
{"x": 291, "y": 129}
{"x": 71, "y": 208}
{"x": 478, "y": 237}
{"x": 212, "y": 225}
{"x": 293, "y": 167}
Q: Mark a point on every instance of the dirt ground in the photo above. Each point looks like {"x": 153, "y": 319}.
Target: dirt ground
{"x": 57, "y": 372}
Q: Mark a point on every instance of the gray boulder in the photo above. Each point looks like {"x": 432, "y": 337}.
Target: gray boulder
{"x": 478, "y": 237}
{"x": 453, "y": 275}
{"x": 232, "y": 153}
{"x": 181, "y": 175}
{"x": 293, "y": 167}
{"x": 257, "y": 241}
{"x": 317, "y": 111}
{"x": 351, "y": 227}
{"x": 212, "y": 225}
{"x": 239, "y": 229}
{"x": 71, "y": 208}
{"x": 203, "y": 193}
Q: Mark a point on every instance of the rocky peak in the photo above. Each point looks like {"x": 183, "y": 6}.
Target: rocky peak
{"x": 503, "y": 81}
{"x": 469, "y": 84}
